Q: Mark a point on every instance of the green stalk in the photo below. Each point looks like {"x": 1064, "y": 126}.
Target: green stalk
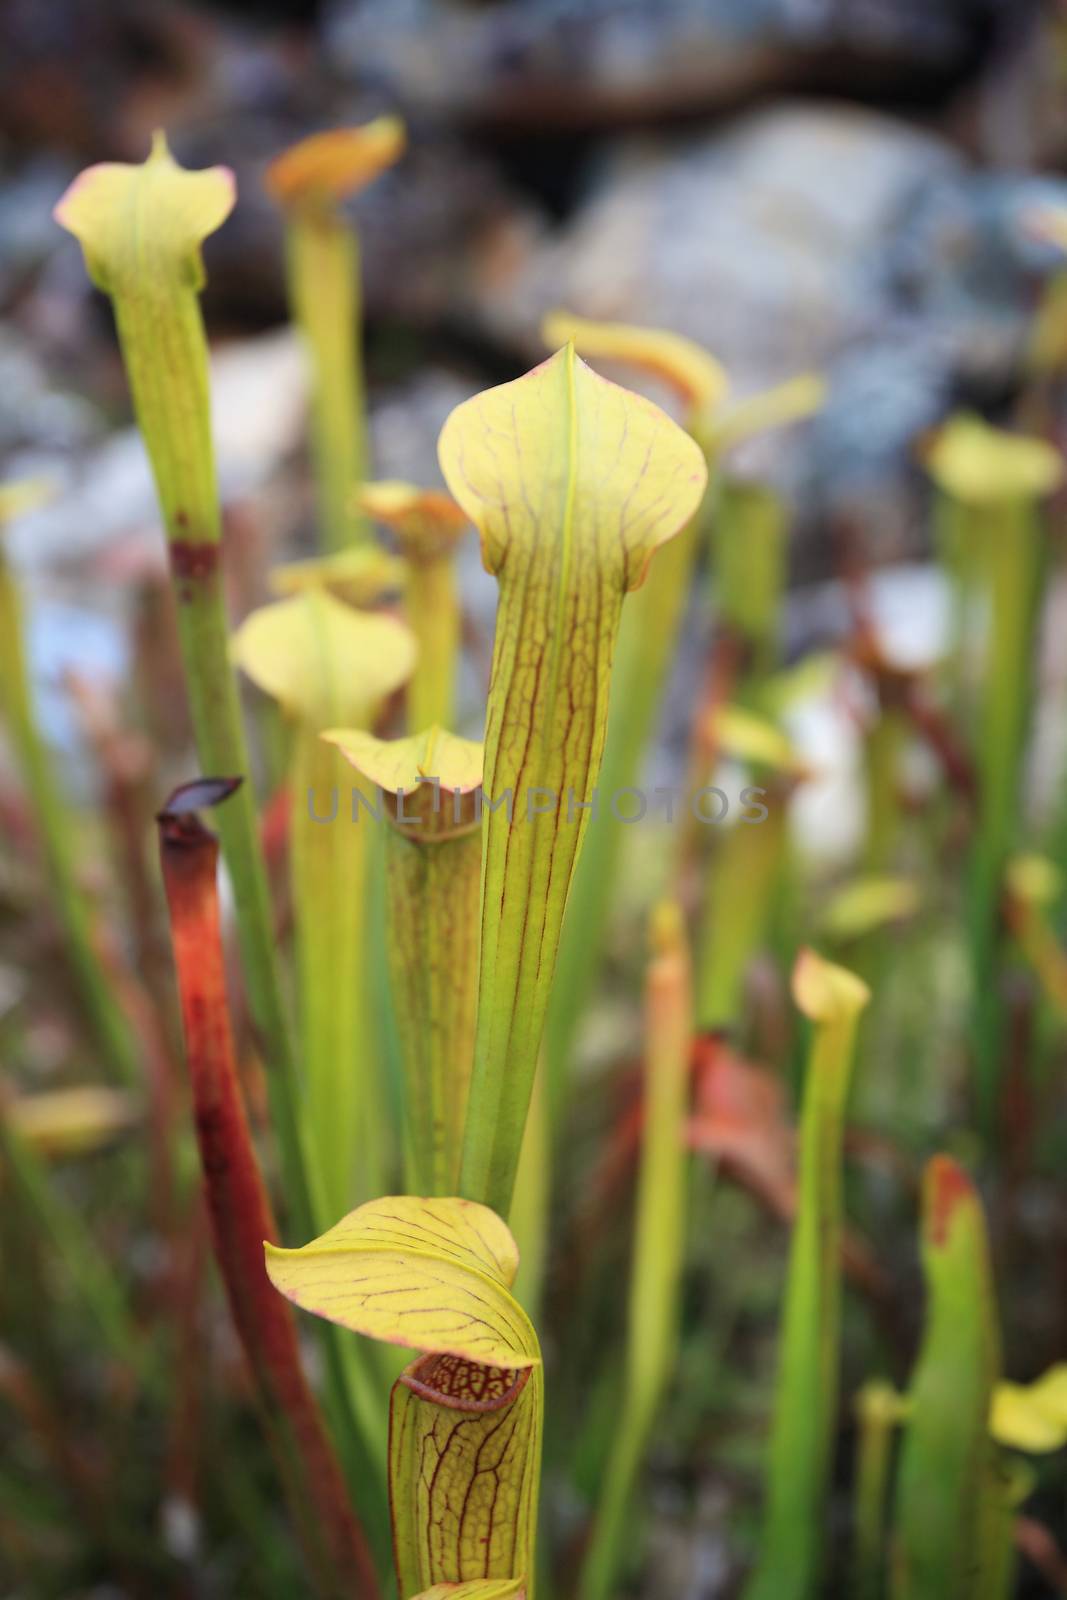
{"x": 998, "y": 480}
{"x": 433, "y": 612}
{"x": 328, "y": 861}
{"x": 427, "y": 524}
{"x": 323, "y": 268}
{"x": 56, "y": 830}
{"x": 1013, "y": 550}
{"x": 659, "y": 1246}
{"x": 806, "y": 1401}
{"x": 310, "y": 181}
{"x": 947, "y": 1455}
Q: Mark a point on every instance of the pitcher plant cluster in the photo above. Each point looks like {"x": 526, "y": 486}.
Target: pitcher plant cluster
{"x": 464, "y": 1259}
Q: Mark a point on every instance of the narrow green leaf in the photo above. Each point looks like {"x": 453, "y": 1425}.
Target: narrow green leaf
{"x": 52, "y": 820}
{"x": 427, "y": 525}
{"x": 659, "y": 1244}
{"x": 573, "y": 484}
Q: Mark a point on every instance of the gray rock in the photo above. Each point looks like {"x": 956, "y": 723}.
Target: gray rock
{"x": 804, "y": 237}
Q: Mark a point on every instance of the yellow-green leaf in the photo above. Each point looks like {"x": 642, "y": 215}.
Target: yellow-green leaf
{"x": 322, "y": 660}
{"x": 402, "y": 766}
{"x": 573, "y": 483}
{"x": 428, "y": 1274}
{"x": 152, "y": 218}
{"x": 1032, "y": 1416}
{"x": 982, "y": 465}
{"x": 326, "y": 167}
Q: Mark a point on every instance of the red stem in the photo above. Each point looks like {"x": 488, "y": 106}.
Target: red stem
{"x": 240, "y": 1212}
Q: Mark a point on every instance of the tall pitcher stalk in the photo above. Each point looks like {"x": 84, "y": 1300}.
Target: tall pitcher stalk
{"x": 573, "y": 484}
{"x": 327, "y": 663}
{"x": 141, "y": 228}
{"x": 806, "y": 1399}
{"x": 309, "y": 181}
{"x": 433, "y": 867}
{"x": 995, "y": 482}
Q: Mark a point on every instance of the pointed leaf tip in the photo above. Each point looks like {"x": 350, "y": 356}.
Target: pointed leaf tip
{"x": 563, "y": 456}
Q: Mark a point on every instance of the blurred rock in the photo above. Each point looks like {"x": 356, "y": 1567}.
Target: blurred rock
{"x": 595, "y": 63}
{"x": 259, "y": 394}
{"x": 803, "y": 237}
{"x": 34, "y": 414}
